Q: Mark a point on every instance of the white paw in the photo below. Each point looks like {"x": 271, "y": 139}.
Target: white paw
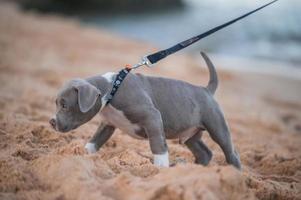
{"x": 161, "y": 160}
{"x": 90, "y": 147}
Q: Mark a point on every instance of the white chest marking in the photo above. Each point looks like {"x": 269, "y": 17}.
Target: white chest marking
{"x": 116, "y": 118}
{"x": 161, "y": 160}
{"x": 109, "y": 76}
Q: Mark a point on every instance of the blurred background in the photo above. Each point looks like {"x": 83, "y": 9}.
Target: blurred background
{"x": 272, "y": 34}
{"x": 45, "y": 43}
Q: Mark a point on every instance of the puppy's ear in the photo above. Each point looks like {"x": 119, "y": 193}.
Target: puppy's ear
{"x": 87, "y": 95}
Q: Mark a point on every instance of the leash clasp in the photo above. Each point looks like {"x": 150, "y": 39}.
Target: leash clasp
{"x": 144, "y": 61}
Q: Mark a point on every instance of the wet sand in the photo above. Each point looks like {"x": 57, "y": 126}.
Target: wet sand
{"x": 39, "y": 53}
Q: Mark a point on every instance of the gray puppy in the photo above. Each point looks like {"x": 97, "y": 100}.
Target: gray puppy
{"x": 150, "y": 108}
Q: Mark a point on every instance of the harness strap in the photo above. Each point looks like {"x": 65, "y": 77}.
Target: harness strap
{"x": 106, "y": 99}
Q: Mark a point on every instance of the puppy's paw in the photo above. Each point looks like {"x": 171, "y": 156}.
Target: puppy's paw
{"x": 90, "y": 147}
{"x": 161, "y": 160}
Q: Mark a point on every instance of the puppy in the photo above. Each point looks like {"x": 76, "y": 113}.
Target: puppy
{"x": 150, "y": 108}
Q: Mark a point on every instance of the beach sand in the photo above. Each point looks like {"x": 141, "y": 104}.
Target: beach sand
{"x": 39, "y": 53}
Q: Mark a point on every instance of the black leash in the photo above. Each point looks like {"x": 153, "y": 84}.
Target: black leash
{"x": 149, "y": 60}
{"x": 153, "y": 58}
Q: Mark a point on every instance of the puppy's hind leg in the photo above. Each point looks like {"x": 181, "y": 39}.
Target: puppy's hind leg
{"x": 218, "y": 130}
{"x": 201, "y": 152}
{"x": 103, "y": 133}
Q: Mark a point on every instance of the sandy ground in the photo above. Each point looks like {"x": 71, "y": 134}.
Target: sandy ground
{"x": 39, "y": 53}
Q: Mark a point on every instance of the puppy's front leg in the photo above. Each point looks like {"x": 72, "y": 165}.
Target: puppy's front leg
{"x": 103, "y": 133}
{"x": 156, "y": 136}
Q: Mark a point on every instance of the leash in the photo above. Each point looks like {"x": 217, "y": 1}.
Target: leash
{"x": 151, "y": 59}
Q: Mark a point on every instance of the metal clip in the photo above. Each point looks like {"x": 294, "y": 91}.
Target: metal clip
{"x": 137, "y": 65}
{"x": 144, "y": 61}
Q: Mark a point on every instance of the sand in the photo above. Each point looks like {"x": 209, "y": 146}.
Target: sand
{"x": 39, "y": 53}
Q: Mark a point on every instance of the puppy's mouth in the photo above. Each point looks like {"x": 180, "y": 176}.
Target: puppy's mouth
{"x": 63, "y": 129}
{"x": 60, "y": 128}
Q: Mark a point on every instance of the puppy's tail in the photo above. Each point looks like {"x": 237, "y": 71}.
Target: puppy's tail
{"x": 213, "y": 81}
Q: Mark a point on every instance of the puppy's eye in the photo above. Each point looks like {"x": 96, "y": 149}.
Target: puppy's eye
{"x": 63, "y": 104}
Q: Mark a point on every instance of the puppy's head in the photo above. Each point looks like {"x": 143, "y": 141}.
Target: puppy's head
{"x": 77, "y": 102}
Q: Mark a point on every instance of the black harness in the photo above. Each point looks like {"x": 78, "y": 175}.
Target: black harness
{"x": 155, "y": 57}
{"x": 116, "y": 84}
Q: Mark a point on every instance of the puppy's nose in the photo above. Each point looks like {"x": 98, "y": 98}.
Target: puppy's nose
{"x": 52, "y": 122}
